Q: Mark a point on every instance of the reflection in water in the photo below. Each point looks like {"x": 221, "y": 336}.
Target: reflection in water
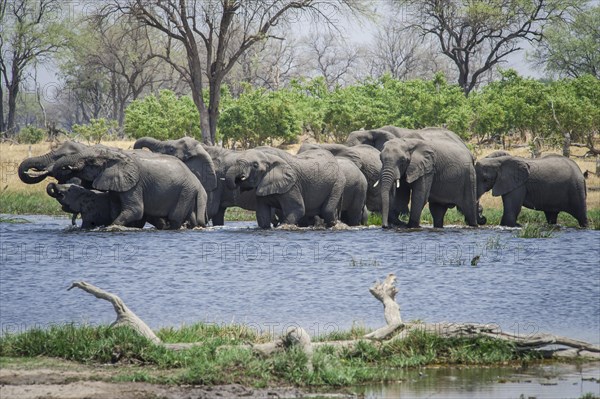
{"x": 549, "y": 381}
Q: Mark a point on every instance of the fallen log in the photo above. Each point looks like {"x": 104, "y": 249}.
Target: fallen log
{"x": 395, "y": 329}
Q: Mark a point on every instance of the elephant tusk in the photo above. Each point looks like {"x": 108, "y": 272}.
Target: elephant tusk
{"x": 222, "y": 178}
{"x": 376, "y": 183}
{"x": 243, "y": 178}
{"x": 398, "y": 183}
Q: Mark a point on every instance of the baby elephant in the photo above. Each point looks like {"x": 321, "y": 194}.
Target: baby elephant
{"x": 96, "y": 207}
{"x": 551, "y": 184}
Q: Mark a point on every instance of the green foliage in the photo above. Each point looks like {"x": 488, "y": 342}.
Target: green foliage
{"x": 535, "y": 231}
{"x": 163, "y": 117}
{"x": 571, "y": 47}
{"x": 97, "y": 130}
{"x": 259, "y": 117}
{"x": 31, "y": 135}
{"x": 220, "y": 359}
{"x": 22, "y": 203}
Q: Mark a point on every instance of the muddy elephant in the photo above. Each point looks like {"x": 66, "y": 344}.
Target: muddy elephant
{"x": 146, "y": 184}
{"x": 551, "y": 184}
{"x": 305, "y": 185}
{"x": 440, "y": 172}
{"x": 97, "y": 208}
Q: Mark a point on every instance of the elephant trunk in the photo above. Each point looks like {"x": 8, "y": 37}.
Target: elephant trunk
{"x": 231, "y": 177}
{"x": 481, "y": 220}
{"x": 147, "y": 142}
{"x": 387, "y": 184}
{"x": 52, "y": 190}
{"x": 41, "y": 164}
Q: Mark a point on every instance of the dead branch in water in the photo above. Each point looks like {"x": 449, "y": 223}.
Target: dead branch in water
{"x": 394, "y": 330}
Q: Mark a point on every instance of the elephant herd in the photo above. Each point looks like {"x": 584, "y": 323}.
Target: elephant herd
{"x": 391, "y": 171}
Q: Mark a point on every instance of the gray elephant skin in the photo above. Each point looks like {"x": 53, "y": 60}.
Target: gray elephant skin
{"x": 35, "y": 169}
{"x": 378, "y": 137}
{"x": 439, "y": 171}
{"x": 366, "y": 158}
{"x": 97, "y": 209}
{"x": 305, "y": 185}
{"x": 211, "y": 174}
{"x": 551, "y": 184}
{"x": 156, "y": 185}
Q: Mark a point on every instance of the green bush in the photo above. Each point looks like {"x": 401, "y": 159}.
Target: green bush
{"x": 163, "y": 117}
{"x": 31, "y": 135}
{"x": 97, "y": 130}
{"x": 259, "y": 117}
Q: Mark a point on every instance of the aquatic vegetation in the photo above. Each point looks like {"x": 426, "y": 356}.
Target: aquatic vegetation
{"x": 536, "y": 231}
{"x": 222, "y": 359}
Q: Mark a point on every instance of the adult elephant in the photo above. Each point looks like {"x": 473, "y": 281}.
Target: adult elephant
{"x": 440, "y": 172}
{"x": 190, "y": 152}
{"x": 366, "y": 158}
{"x": 378, "y": 137}
{"x": 223, "y": 197}
{"x": 35, "y": 169}
{"x": 155, "y": 185}
{"x": 306, "y": 185}
{"x": 352, "y": 207}
{"x": 551, "y": 184}
{"x": 97, "y": 208}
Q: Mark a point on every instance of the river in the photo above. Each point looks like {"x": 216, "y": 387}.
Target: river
{"x": 317, "y": 279}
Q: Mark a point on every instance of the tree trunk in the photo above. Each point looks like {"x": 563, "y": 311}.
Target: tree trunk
{"x": 13, "y": 92}
{"x": 566, "y": 150}
{"x": 1, "y": 108}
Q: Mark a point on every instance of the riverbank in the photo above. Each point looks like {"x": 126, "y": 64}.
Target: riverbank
{"x": 83, "y": 361}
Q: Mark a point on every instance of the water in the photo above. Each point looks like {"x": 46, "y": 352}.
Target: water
{"x": 314, "y": 278}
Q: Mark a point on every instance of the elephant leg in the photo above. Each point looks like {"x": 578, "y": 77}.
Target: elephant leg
{"x": 364, "y": 219}
{"x": 419, "y": 195}
{"x": 438, "y": 211}
{"x": 218, "y": 218}
{"x": 132, "y": 209}
{"x": 329, "y": 209}
{"x": 511, "y": 204}
{"x": 263, "y": 215}
{"x": 293, "y": 210}
{"x": 551, "y": 217}
{"x": 403, "y": 197}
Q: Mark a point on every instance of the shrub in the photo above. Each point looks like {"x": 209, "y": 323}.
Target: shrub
{"x": 31, "y": 135}
{"x": 97, "y": 130}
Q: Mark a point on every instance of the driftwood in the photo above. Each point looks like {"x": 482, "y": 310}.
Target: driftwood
{"x": 394, "y": 329}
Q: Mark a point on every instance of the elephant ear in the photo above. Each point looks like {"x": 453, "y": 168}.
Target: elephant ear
{"x": 119, "y": 174}
{"x": 512, "y": 174}
{"x": 203, "y": 167}
{"x": 279, "y": 179}
{"x": 422, "y": 162}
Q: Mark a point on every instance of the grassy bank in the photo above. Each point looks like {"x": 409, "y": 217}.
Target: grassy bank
{"x": 212, "y": 363}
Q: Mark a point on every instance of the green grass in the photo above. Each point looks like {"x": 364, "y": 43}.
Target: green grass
{"x": 12, "y": 220}
{"x": 30, "y": 203}
{"x": 536, "y": 231}
{"x": 212, "y": 363}
{"x": 236, "y": 214}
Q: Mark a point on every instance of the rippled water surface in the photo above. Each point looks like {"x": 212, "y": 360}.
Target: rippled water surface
{"x": 316, "y": 278}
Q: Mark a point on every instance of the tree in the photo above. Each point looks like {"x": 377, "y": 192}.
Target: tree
{"x": 29, "y": 35}
{"x": 479, "y": 34}
{"x": 331, "y": 58}
{"x": 215, "y": 34}
{"x": 572, "y": 49}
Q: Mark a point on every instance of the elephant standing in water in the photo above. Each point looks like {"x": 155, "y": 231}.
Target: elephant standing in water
{"x": 146, "y": 184}
{"x": 211, "y": 172}
{"x": 551, "y": 184}
{"x": 366, "y": 158}
{"x": 439, "y": 171}
{"x": 97, "y": 208}
{"x": 306, "y": 185}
